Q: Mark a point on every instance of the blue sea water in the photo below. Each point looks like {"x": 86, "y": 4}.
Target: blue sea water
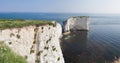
{"x": 99, "y": 19}
{"x": 101, "y": 44}
{"x": 37, "y": 16}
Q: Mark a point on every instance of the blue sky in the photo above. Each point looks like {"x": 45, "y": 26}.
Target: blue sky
{"x": 63, "y": 6}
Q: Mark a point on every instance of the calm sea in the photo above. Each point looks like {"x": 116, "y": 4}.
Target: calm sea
{"x": 101, "y": 44}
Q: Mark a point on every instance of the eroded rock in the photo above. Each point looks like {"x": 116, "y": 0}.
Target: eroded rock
{"x": 76, "y": 23}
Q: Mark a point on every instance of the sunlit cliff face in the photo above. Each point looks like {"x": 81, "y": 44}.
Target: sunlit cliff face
{"x": 39, "y": 44}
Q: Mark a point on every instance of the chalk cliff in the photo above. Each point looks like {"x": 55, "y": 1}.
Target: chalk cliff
{"x": 38, "y": 44}
{"x": 77, "y": 23}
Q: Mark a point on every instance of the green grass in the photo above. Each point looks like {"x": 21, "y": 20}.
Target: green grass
{"x": 80, "y": 16}
{"x": 8, "y": 56}
{"x": 17, "y": 23}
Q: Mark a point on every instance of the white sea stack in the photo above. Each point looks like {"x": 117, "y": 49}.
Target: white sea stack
{"x": 77, "y": 23}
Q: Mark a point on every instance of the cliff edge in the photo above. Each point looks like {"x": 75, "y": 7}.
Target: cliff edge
{"x": 38, "y": 44}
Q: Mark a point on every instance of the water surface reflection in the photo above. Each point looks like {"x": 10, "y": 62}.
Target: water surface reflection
{"x": 95, "y": 46}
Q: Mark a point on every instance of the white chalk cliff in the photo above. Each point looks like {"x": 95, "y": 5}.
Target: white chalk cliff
{"x": 77, "y": 23}
{"x": 39, "y": 44}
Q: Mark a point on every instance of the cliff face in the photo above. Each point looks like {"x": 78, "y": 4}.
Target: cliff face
{"x": 38, "y": 44}
{"x": 77, "y": 23}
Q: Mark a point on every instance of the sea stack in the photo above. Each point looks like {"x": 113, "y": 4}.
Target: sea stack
{"x": 76, "y": 24}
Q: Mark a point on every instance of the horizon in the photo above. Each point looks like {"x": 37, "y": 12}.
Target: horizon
{"x": 61, "y": 12}
{"x": 53, "y": 6}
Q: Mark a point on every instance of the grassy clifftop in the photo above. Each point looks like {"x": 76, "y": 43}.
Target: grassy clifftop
{"x": 10, "y": 23}
{"x": 8, "y": 56}
{"x": 80, "y": 16}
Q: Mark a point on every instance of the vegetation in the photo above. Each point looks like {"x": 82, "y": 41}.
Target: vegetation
{"x": 12, "y": 34}
{"x": 15, "y": 23}
{"x": 18, "y": 36}
{"x": 46, "y": 47}
{"x": 81, "y": 16}
{"x": 8, "y": 56}
{"x": 48, "y": 40}
{"x": 53, "y": 48}
{"x": 32, "y": 51}
{"x": 38, "y": 53}
{"x": 10, "y": 43}
{"x": 58, "y": 58}
{"x": 45, "y": 55}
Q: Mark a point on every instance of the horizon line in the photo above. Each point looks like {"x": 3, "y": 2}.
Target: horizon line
{"x": 61, "y": 12}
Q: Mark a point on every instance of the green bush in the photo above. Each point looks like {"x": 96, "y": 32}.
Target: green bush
{"x": 8, "y": 56}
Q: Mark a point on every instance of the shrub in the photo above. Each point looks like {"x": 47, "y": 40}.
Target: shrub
{"x": 12, "y": 34}
{"x": 58, "y": 58}
{"x": 32, "y": 51}
{"x": 53, "y": 48}
{"x": 10, "y": 43}
{"x": 46, "y": 47}
{"x": 18, "y": 36}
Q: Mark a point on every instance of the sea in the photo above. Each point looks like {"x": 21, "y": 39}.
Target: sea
{"x": 101, "y": 44}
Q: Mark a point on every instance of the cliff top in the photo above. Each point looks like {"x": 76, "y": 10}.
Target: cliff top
{"x": 16, "y": 23}
{"x": 80, "y": 16}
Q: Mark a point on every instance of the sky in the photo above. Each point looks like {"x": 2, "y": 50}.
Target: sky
{"x": 61, "y": 6}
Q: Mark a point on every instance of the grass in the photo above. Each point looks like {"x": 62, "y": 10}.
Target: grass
{"x": 17, "y": 23}
{"x": 81, "y": 16}
{"x": 8, "y": 56}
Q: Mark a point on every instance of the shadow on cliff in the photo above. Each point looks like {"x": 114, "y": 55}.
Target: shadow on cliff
{"x": 77, "y": 48}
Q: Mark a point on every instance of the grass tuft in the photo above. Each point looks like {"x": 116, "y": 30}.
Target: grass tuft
{"x": 8, "y": 56}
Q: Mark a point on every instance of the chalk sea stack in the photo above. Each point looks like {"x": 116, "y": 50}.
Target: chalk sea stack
{"x": 77, "y": 23}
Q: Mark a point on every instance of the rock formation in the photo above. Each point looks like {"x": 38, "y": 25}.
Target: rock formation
{"x": 41, "y": 44}
{"x": 38, "y": 44}
{"x": 76, "y": 23}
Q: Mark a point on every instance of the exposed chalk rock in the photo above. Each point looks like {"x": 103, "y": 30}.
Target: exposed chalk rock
{"x": 39, "y": 44}
{"x": 76, "y": 23}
